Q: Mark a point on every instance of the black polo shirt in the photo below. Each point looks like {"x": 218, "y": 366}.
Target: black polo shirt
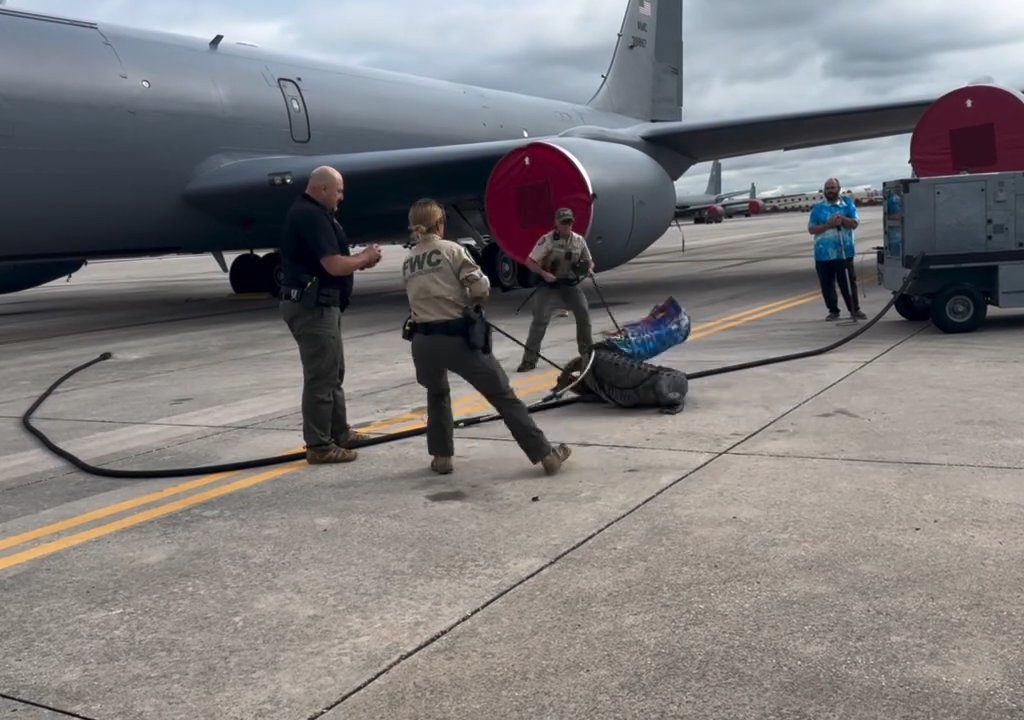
{"x": 310, "y": 233}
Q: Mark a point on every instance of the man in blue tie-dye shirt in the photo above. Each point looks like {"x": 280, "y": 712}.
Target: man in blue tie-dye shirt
{"x": 832, "y": 223}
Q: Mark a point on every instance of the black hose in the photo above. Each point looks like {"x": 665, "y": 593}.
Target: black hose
{"x": 26, "y": 420}
{"x": 818, "y": 351}
{"x": 545, "y": 404}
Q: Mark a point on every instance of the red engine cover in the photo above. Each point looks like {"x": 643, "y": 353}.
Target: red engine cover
{"x": 525, "y": 189}
{"x": 978, "y": 128}
{"x": 714, "y": 211}
{"x": 755, "y": 206}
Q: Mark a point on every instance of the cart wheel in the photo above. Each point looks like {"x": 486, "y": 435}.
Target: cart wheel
{"x": 959, "y": 309}
{"x": 913, "y": 308}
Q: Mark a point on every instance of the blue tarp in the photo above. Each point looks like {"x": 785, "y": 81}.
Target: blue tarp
{"x": 666, "y": 326}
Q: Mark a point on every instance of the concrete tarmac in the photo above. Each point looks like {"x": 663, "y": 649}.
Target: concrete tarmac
{"x": 833, "y": 537}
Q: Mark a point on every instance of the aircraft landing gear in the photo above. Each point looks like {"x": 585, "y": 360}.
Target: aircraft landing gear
{"x": 502, "y": 270}
{"x": 273, "y": 273}
{"x": 251, "y": 273}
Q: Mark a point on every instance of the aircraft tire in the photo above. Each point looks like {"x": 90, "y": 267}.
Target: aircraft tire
{"x": 272, "y": 272}
{"x": 501, "y": 269}
{"x": 246, "y": 274}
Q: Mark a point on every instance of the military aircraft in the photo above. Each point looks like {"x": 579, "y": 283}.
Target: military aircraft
{"x": 118, "y": 142}
{"x": 713, "y": 204}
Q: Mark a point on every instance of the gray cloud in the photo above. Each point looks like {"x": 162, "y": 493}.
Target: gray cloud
{"x": 742, "y": 59}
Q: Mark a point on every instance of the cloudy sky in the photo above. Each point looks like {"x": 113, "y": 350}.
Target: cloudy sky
{"x": 742, "y": 58}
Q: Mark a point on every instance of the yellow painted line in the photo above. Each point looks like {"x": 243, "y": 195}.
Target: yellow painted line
{"x": 461, "y": 404}
{"x": 774, "y": 307}
{"x": 151, "y": 514}
{"x": 758, "y": 316}
{"x": 413, "y": 420}
{"x": 540, "y": 382}
{"x": 108, "y": 511}
{"x": 480, "y": 404}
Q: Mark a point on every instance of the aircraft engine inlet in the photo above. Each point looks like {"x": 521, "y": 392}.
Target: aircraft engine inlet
{"x": 623, "y": 200}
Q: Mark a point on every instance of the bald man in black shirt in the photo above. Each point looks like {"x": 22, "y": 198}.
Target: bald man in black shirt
{"x": 318, "y": 268}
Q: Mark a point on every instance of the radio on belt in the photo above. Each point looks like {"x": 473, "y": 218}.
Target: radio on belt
{"x": 964, "y": 208}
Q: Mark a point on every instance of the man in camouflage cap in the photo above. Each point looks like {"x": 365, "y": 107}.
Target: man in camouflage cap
{"x": 562, "y": 259}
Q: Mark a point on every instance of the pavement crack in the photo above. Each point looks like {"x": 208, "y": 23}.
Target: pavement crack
{"x": 609, "y": 446}
{"x": 876, "y": 461}
{"x": 65, "y": 713}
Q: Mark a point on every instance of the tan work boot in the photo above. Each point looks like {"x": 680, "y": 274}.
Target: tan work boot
{"x": 552, "y": 462}
{"x": 351, "y": 438}
{"x": 329, "y": 454}
{"x": 441, "y": 465}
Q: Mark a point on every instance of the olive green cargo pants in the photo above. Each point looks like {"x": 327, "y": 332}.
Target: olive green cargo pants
{"x": 434, "y": 356}
{"x": 547, "y": 300}
{"x": 317, "y": 332}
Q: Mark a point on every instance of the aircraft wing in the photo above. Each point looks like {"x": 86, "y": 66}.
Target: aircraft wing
{"x": 380, "y": 183}
{"x": 708, "y": 141}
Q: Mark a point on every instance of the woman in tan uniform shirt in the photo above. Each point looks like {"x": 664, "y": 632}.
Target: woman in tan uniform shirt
{"x": 441, "y": 280}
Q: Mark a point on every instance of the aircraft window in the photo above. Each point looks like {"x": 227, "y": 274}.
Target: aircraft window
{"x": 145, "y": 83}
{"x": 295, "y": 105}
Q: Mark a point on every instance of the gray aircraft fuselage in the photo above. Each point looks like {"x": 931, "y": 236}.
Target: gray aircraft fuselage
{"x": 102, "y": 127}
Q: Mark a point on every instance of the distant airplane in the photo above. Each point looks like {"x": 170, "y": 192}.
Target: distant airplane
{"x": 713, "y": 204}
{"x": 128, "y": 143}
{"x": 746, "y": 206}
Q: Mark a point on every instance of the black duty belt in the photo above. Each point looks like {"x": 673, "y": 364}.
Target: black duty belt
{"x": 456, "y": 327}
{"x": 330, "y": 297}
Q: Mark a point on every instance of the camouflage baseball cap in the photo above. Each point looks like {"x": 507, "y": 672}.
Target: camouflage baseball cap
{"x": 563, "y": 214}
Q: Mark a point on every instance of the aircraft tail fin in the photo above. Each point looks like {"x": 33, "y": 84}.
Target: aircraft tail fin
{"x": 753, "y": 191}
{"x": 715, "y": 180}
{"x": 645, "y": 78}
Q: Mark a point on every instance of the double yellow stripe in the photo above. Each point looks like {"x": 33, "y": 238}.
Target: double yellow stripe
{"x": 704, "y": 329}
{"x": 108, "y": 511}
{"x": 464, "y": 404}
{"x": 408, "y": 421}
{"x": 127, "y": 522}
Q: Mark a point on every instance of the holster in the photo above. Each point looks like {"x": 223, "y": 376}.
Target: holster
{"x": 308, "y": 298}
{"x": 472, "y": 326}
{"x": 478, "y": 330}
{"x": 313, "y": 296}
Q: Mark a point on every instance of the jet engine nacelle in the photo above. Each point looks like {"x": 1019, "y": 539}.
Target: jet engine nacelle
{"x": 754, "y": 207}
{"x": 16, "y": 276}
{"x": 622, "y": 199}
